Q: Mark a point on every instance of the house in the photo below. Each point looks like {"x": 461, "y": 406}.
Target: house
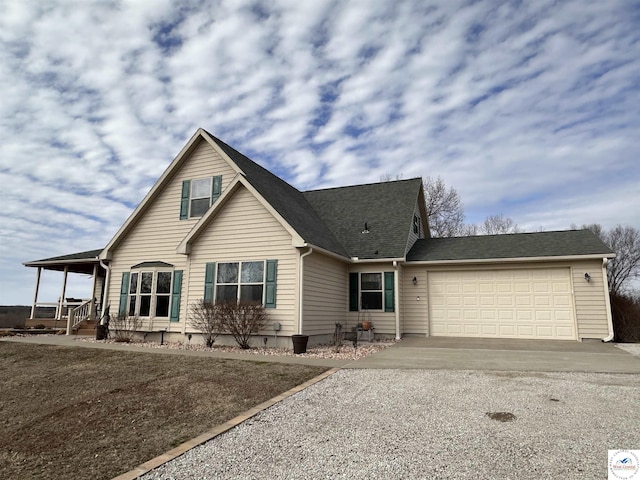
{"x": 216, "y": 225}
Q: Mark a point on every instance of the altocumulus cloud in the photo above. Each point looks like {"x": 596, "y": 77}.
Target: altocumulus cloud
{"x": 526, "y": 108}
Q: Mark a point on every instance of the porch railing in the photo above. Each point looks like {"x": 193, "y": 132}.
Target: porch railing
{"x": 79, "y": 314}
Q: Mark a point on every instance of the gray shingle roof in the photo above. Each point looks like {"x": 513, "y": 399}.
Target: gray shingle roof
{"x": 88, "y": 255}
{"x": 387, "y": 209}
{"x": 516, "y": 245}
{"x": 287, "y": 200}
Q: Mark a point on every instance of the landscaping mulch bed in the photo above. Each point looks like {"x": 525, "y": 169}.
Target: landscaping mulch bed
{"x": 346, "y": 352}
{"x": 87, "y": 413}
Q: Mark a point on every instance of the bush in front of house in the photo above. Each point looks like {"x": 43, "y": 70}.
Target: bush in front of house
{"x": 241, "y": 320}
{"x": 123, "y": 327}
{"x": 206, "y": 317}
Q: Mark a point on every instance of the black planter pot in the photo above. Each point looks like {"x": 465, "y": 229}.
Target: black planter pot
{"x": 299, "y": 343}
{"x": 101, "y": 332}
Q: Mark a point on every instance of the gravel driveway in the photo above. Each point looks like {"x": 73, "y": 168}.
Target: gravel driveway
{"x": 367, "y": 424}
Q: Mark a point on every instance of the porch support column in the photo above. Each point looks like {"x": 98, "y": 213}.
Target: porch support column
{"x": 93, "y": 292}
{"x": 35, "y": 296}
{"x": 64, "y": 292}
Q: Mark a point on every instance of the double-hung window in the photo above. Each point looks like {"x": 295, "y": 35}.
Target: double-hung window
{"x": 198, "y": 195}
{"x": 372, "y": 291}
{"x": 150, "y": 294}
{"x": 240, "y": 281}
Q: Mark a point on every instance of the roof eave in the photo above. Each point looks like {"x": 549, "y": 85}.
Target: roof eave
{"x": 558, "y": 258}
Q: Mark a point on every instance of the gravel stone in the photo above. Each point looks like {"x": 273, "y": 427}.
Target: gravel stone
{"x": 368, "y": 424}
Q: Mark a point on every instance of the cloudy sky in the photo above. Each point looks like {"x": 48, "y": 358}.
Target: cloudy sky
{"x": 529, "y": 109}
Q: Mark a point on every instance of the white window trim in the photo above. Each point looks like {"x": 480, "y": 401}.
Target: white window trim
{"x": 153, "y": 294}
{"x": 239, "y": 283}
{"x": 192, "y": 198}
{"x": 361, "y": 291}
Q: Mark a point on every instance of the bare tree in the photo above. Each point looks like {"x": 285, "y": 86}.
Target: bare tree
{"x": 205, "y": 316}
{"x": 625, "y": 242}
{"x": 498, "y": 225}
{"x": 623, "y": 269}
{"x": 445, "y": 211}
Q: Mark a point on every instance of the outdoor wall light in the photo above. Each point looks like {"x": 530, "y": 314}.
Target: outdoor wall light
{"x": 415, "y": 280}
{"x": 587, "y": 277}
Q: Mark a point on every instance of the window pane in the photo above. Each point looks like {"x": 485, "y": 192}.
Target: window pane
{"x": 227, "y": 273}
{"x": 371, "y": 281}
{"x": 133, "y": 286}
{"x": 251, "y": 293}
{"x": 201, "y": 188}
{"x": 162, "y": 306}
{"x": 372, "y": 300}
{"x": 145, "y": 285}
{"x": 226, "y": 293}
{"x": 252, "y": 272}
{"x": 145, "y": 305}
{"x": 164, "y": 282}
{"x": 199, "y": 207}
{"x": 132, "y": 305}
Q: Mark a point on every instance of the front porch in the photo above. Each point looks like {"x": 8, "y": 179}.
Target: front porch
{"x": 69, "y": 313}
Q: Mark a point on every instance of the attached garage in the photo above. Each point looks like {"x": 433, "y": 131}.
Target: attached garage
{"x": 546, "y": 285}
{"x": 510, "y": 303}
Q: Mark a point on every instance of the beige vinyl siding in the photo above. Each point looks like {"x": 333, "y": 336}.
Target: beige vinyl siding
{"x": 415, "y": 305}
{"x": 383, "y": 322}
{"x": 326, "y": 294}
{"x": 590, "y": 301}
{"x": 412, "y": 236}
{"x": 159, "y": 231}
{"x": 243, "y": 231}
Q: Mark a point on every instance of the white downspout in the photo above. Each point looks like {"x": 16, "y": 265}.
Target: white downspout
{"x": 396, "y": 300}
{"x": 301, "y": 289}
{"x": 107, "y": 278}
{"x": 605, "y": 282}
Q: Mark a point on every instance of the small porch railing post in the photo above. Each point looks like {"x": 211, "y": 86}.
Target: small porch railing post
{"x": 69, "y": 320}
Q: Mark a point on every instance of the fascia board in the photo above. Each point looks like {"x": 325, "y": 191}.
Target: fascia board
{"x": 512, "y": 260}
{"x": 142, "y": 206}
{"x": 61, "y": 262}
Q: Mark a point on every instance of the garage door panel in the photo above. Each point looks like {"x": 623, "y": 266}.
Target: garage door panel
{"x": 520, "y": 303}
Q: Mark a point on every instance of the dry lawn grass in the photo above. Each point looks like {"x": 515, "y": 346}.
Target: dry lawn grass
{"x": 90, "y": 414}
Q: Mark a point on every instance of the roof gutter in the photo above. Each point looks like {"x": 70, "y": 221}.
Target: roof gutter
{"x": 605, "y": 283}
{"x": 60, "y": 262}
{"x": 377, "y": 260}
{"x": 511, "y": 260}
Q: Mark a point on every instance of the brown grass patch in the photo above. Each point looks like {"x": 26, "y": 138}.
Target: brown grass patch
{"x": 84, "y": 413}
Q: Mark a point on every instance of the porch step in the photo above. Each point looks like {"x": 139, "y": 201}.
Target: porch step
{"x": 87, "y": 328}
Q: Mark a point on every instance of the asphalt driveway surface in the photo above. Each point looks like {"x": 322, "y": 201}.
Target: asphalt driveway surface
{"x": 367, "y": 424}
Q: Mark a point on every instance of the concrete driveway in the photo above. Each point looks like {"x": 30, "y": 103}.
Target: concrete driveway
{"x": 502, "y": 355}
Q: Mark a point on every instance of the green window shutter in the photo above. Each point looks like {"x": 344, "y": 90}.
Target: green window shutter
{"x": 216, "y": 188}
{"x": 270, "y": 284}
{"x": 175, "y": 296}
{"x": 353, "y": 292}
{"x": 124, "y": 293}
{"x": 389, "y": 294}
{"x": 209, "y": 272}
{"x": 184, "y": 201}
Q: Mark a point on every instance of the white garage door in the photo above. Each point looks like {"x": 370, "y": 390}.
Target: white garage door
{"x": 532, "y": 303}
